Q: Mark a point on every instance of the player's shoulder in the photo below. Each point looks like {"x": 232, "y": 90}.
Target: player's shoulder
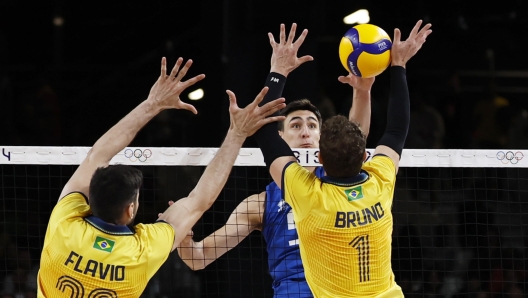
{"x": 143, "y": 229}
{"x": 379, "y": 160}
{"x": 74, "y": 196}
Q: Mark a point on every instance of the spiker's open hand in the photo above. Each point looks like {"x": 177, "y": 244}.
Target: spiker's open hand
{"x": 284, "y": 57}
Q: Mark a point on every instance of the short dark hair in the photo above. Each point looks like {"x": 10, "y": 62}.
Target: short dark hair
{"x": 342, "y": 147}
{"x": 299, "y": 105}
{"x": 112, "y": 188}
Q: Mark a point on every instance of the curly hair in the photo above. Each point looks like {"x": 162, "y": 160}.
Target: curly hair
{"x": 342, "y": 147}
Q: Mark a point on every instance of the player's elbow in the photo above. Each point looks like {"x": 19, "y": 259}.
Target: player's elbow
{"x": 194, "y": 264}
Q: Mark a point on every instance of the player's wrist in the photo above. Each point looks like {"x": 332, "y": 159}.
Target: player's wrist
{"x": 152, "y": 105}
{"x": 235, "y": 134}
{"x": 280, "y": 70}
{"x": 398, "y": 64}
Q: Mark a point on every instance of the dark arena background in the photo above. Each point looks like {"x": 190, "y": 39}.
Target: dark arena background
{"x": 70, "y": 70}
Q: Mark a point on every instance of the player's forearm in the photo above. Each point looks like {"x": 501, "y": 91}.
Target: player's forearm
{"x": 192, "y": 256}
{"x": 360, "y": 111}
{"x": 217, "y": 172}
{"x": 398, "y": 111}
{"x": 122, "y": 134}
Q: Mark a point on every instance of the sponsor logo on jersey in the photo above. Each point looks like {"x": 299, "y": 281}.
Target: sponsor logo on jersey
{"x": 103, "y": 244}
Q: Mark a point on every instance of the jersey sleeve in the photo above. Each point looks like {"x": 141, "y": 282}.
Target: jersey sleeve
{"x": 383, "y": 170}
{"x": 298, "y": 188}
{"x": 158, "y": 239}
{"x": 72, "y": 205}
{"x": 382, "y": 166}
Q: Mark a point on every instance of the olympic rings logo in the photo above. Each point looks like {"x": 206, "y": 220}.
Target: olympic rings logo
{"x": 138, "y": 154}
{"x": 510, "y": 157}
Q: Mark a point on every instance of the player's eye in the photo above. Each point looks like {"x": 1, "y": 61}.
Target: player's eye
{"x": 295, "y": 126}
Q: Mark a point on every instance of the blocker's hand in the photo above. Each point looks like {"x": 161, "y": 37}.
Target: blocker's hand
{"x": 403, "y": 51}
{"x": 248, "y": 120}
{"x": 165, "y": 93}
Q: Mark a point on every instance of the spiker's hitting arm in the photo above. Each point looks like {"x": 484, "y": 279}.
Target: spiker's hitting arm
{"x": 283, "y": 61}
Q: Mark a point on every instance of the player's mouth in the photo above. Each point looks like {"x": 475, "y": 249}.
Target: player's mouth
{"x": 306, "y": 145}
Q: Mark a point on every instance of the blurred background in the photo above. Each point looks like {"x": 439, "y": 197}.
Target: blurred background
{"x": 71, "y": 70}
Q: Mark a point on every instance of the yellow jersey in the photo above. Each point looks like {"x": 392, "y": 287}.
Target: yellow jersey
{"x": 83, "y": 256}
{"x": 345, "y": 229}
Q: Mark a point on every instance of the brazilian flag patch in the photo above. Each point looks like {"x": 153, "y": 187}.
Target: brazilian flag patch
{"x": 103, "y": 244}
{"x": 355, "y": 193}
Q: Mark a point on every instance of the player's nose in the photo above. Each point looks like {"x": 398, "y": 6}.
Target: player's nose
{"x": 305, "y": 132}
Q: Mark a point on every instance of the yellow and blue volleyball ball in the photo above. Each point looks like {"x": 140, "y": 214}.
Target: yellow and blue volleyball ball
{"x": 365, "y": 50}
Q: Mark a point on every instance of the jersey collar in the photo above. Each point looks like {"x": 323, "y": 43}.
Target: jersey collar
{"x": 107, "y": 228}
{"x": 348, "y": 181}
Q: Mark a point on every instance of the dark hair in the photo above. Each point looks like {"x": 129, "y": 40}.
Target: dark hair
{"x": 112, "y": 188}
{"x": 299, "y": 105}
{"x": 342, "y": 147}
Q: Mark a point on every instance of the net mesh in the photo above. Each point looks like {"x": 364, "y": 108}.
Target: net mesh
{"x": 460, "y": 227}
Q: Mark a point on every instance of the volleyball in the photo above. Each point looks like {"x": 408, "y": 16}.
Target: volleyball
{"x": 365, "y": 50}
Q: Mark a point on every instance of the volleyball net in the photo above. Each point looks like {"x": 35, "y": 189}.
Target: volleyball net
{"x": 460, "y": 218}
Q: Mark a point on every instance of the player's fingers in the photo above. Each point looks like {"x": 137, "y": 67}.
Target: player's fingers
{"x": 192, "y": 81}
{"x": 416, "y": 28}
{"x": 184, "y": 70}
{"x": 271, "y": 119}
{"x": 305, "y": 59}
{"x": 273, "y": 106}
{"x": 273, "y": 43}
{"x": 291, "y": 36}
{"x": 282, "y": 34}
{"x": 260, "y": 96}
{"x": 163, "y": 68}
{"x": 397, "y": 36}
{"x": 425, "y": 31}
{"x": 343, "y": 79}
{"x": 189, "y": 107}
{"x": 176, "y": 67}
{"x": 301, "y": 39}
{"x": 232, "y": 99}
{"x": 274, "y": 109}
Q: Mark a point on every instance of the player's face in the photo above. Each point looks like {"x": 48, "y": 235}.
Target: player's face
{"x": 301, "y": 130}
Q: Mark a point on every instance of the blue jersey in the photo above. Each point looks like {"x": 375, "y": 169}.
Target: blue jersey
{"x": 282, "y": 244}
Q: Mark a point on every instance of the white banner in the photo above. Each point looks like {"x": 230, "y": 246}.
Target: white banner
{"x": 165, "y": 156}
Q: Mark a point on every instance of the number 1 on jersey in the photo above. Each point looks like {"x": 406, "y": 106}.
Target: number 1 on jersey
{"x": 362, "y": 245}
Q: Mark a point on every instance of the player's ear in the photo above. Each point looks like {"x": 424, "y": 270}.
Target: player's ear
{"x": 280, "y": 133}
{"x": 130, "y": 210}
{"x": 365, "y": 155}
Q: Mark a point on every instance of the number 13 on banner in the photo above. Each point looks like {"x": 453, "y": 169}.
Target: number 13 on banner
{"x": 310, "y": 157}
